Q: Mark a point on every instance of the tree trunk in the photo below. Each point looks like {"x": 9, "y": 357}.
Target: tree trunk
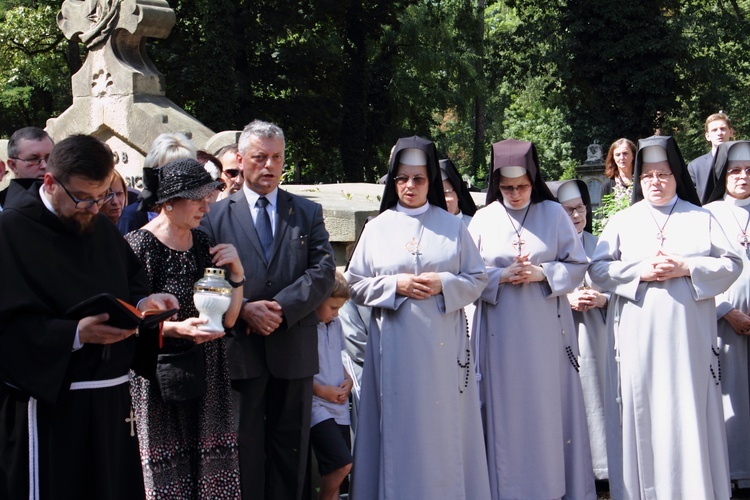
{"x": 353, "y": 138}
{"x": 477, "y": 161}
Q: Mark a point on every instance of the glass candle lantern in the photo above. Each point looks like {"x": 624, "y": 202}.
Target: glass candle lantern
{"x": 212, "y": 295}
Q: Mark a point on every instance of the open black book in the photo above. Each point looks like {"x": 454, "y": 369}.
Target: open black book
{"x": 121, "y": 314}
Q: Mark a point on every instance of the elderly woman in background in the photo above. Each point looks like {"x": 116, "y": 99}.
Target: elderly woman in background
{"x": 618, "y": 167}
{"x": 535, "y": 420}
{"x": 664, "y": 259}
{"x": 458, "y": 198}
{"x": 730, "y": 204}
{"x": 165, "y": 148}
{"x": 188, "y": 443}
{"x": 114, "y": 207}
{"x": 419, "y": 433}
{"x": 590, "y": 317}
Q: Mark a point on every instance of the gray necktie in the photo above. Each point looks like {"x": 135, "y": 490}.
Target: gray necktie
{"x": 263, "y": 227}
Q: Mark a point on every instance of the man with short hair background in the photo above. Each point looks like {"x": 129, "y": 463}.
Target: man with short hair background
{"x": 718, "y": 130}
{"x": 231, "y": 173}
{"x": 28, "y": 151}
{"x": 66, "y": 426}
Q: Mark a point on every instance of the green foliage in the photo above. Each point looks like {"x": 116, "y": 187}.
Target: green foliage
{"x": 608, "y": 207}
{"x": 527, "y": 102}
{"x": 32, "y": 60}
{"x": 715, "y": 71}
{"x": 532, "y": 117}
{"x": 621, "y": 69}
{"x": 346, "y": 79}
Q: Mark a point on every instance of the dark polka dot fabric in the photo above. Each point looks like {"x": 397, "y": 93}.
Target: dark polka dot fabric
{"x": 188, "y": 450}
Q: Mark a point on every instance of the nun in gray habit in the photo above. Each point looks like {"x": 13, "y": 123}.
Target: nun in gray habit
{"x": 665, "y": 259}
{"x": 730, "y": 204}
{"x": 457, "y": 195}
{"x": 419, "y": 433}
{"x": 589, "y": 305}
{"x": 533, "y": 409}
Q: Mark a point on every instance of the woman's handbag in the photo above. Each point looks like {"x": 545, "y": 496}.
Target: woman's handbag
{"x": 181, "y": 376}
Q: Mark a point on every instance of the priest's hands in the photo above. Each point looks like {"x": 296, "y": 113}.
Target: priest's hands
{"x": 93, "y": 330}
{"x": 189, "y": 329}
{"x": 663, "y": 267}
{"x": 739, "y": 321}
{"x": 160, "y": 301}
{"x": 419, "y": 286}
{"x": 262, "y": 316}
{"x": 522, "y": 271}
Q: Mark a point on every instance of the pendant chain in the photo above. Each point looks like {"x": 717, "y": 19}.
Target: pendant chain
{"x": 661, "y": 236}
{"x": 519, "y": 243}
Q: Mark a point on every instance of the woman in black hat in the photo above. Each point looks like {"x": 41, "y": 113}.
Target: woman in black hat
{"x": 188, "y": 447}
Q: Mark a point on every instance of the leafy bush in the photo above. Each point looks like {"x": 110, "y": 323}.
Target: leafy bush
{"x": 609, "y": 206}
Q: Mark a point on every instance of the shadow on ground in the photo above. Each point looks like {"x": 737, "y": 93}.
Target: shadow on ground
{"x": 602, "y": 491}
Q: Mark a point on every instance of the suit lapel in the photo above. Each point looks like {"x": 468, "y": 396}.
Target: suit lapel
{"x": 284, "y": 214}
{"x": 241, "y": 213}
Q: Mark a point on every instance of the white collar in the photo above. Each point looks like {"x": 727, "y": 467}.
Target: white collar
{"x": 735, "y": 201}
{"x": 412, "y": 211}
{"x": 667, "y": 204}
{"x": 45, "y": 199}
{"x": 252, "y": 196}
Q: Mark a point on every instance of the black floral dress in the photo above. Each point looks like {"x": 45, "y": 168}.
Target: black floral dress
{"x": 188, "y": 450}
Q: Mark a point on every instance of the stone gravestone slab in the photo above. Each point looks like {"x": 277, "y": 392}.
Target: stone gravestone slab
{"x": 118, "y": 94}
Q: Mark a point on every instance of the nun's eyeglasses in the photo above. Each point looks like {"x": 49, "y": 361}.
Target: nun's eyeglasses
{"x": 417, "y": 180}
{"x": 521, "y": 189}
{"x": 579, "y": 209}
{"x": 737, "y": 171}
{"x": 655, "y": 176}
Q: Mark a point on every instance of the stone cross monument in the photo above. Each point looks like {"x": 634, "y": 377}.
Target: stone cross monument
{"x": 592, "y": 173}
{"x": 118, "y": 95}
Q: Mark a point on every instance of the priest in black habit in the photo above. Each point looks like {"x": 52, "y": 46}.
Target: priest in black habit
{"x": 66, "y": 427}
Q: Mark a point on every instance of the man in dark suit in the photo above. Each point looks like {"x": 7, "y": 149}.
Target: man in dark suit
{"x": 272, "y": 352}
{"x": 718, "y": 130}
{"x": 28, "y": 151}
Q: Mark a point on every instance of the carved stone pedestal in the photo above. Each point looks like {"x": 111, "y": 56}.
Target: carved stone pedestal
{"x": 119, "y": 95}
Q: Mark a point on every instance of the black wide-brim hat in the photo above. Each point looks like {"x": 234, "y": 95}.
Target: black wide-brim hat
{"x": 183, "y": 178}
